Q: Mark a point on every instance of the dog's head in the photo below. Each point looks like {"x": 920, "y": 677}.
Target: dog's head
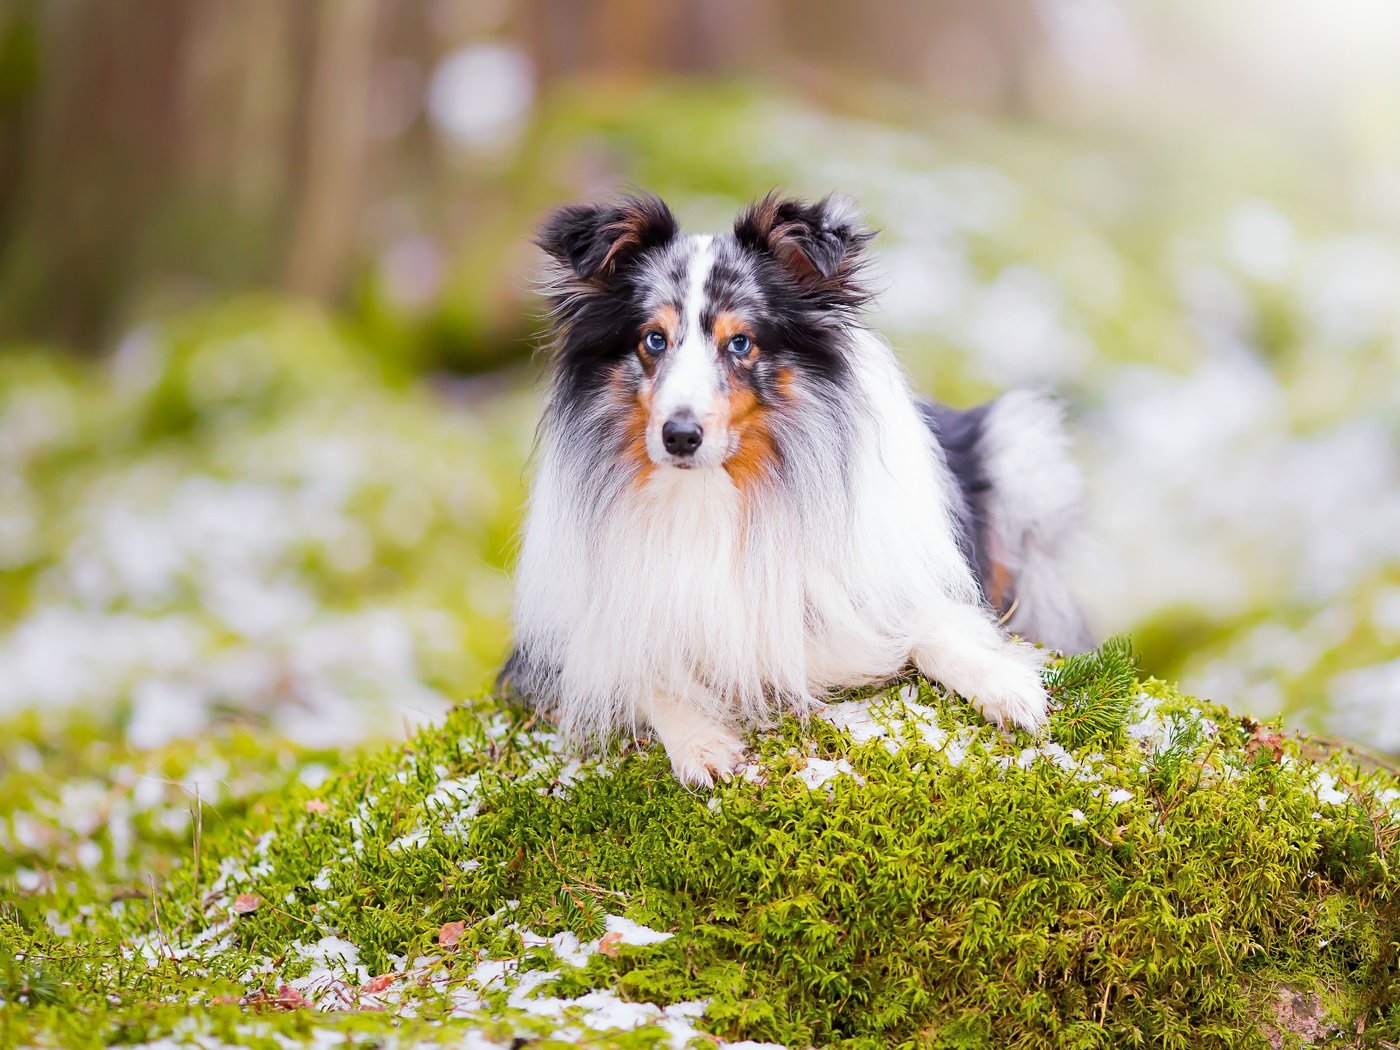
{"x": 689, "y": 348}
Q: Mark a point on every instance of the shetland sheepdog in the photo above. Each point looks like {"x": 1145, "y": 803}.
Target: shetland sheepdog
{"x": 739, "y": 505}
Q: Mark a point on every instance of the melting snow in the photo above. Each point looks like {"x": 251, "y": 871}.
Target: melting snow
{"x": 820, "y": 772}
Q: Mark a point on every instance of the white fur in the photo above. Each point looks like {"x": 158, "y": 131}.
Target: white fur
{"x": 1034, "y": 510}
{"x": 691, "y": 381}
{"x": 681, "y": 604}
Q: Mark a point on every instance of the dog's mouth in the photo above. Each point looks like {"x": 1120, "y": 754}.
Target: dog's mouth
{"x": 714, "y": 451}
{"x": 678, "y": 463}
{"x": 700, "y": 461}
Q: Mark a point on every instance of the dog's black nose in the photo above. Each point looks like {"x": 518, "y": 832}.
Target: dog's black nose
{"x": 682, "y": 435}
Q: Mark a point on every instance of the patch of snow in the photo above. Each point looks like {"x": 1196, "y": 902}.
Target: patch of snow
{"x": 412, "y": 840}
{"x": 1325, "y": 785}
{"x": 634, "y": 932}
{"x": 856, "y": 718}
{"x": 334, "y": 960}
{"x": 820, "y": 772}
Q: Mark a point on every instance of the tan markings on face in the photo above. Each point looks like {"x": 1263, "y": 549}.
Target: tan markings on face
{"x": 727, "y": 326}
{"x": 667, "y": 321}
{"x": 755, "y": 453}
{"x": 636, "y": 408}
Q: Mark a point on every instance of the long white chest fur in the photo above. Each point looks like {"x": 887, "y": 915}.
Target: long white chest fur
{"x": 737, "y": 605}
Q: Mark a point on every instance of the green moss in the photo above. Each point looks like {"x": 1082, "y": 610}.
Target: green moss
{"x": 1152, "y": 882}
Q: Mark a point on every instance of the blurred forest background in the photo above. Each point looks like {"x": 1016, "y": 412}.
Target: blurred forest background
{"x": 266, "y": 320}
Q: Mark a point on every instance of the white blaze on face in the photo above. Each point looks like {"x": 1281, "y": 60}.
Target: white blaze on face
{"x": 689, "y": 379}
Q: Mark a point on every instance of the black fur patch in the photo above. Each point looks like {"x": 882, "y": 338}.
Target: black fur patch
{"x": 595, "y": 306}
{"x": 525, "y": 678}
{"x": 959, "y": 434}
{"x": 599, "y": 240}
{"x": 817, "y": 247}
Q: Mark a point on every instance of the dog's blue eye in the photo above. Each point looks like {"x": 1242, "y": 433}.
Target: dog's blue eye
{"x": 739, "y": 344}
{"x": 655, "y": 341}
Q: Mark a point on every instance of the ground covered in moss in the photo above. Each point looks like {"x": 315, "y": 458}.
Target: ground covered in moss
{"x": 250, "y": 540}
{"x": 894, "y": 872}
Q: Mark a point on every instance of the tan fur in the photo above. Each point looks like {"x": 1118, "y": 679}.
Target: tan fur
{"x": 727, "y": 326}
{"x": 756, "y": 454}
{"x": 637, "y": 408}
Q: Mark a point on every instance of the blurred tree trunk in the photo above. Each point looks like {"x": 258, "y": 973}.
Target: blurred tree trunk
{"x": 334, "y": 147}
{"x": 154, "y": 152}
{"x": 974, "y": 51}
{"x": 19, "y": 60}
{"x": 179, "y": 146}
{"x": 97, "y": 148}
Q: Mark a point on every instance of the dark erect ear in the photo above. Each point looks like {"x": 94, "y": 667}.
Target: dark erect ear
{"x": 820, "y": 245}
{"x": 598, "y": 240}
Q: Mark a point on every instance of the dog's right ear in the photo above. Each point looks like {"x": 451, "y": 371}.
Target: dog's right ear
{"x": 599, "y": 240}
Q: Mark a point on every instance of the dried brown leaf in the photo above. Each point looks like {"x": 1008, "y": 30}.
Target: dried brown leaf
{"x": 450, "y": 933}
{"x": 607, "y": 944}
{"x": 375, "y": 985}
{"x": 1262, "y": 740}
{"x": 246, "y": 903}
{"x": 288, "y": 998}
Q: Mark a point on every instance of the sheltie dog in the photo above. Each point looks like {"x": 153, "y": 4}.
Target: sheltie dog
{"x": 739, "y": 505}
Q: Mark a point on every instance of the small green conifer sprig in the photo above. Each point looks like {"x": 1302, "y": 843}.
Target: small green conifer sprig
{"x": 1096, "y": 694}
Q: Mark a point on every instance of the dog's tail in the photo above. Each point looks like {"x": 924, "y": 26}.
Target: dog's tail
{"x": 1022, "y": 512}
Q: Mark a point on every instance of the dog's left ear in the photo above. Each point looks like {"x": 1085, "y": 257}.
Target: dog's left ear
{"x": 599, "y": 240}
{"x": 820, "y": 245}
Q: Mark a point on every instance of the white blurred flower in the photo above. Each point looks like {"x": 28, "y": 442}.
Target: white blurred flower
{"x": 927, "y": 282}
{"x": 1366, "y": 705}
{"x": 164, "y": 710}
{"x": 412, "y": 269}
{"x": 1017, "y": 331}
{"x": 480, "y": 96}
{"x": 1261, "y": 241}
{"x": 1385, "y": 613}
{"x": 1095, "y": 39}
{"x": 1220, "y": 307}
{"x": 1350, "y": 287}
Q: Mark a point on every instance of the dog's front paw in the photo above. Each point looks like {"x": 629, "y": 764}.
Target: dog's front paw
{"x": 701, "y": 749}
{"x": 1011, "y": 691}
{"x": 707, "y": 753}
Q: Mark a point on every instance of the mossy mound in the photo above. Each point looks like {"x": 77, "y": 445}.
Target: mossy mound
{"x": 895, "y": 872}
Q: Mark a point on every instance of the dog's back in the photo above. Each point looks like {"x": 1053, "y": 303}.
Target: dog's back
{"x": 1020, "y": 510}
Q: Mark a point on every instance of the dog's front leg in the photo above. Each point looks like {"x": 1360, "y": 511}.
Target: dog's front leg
{"x": 968, "y": 653}
{"x": 700, "y": 748}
